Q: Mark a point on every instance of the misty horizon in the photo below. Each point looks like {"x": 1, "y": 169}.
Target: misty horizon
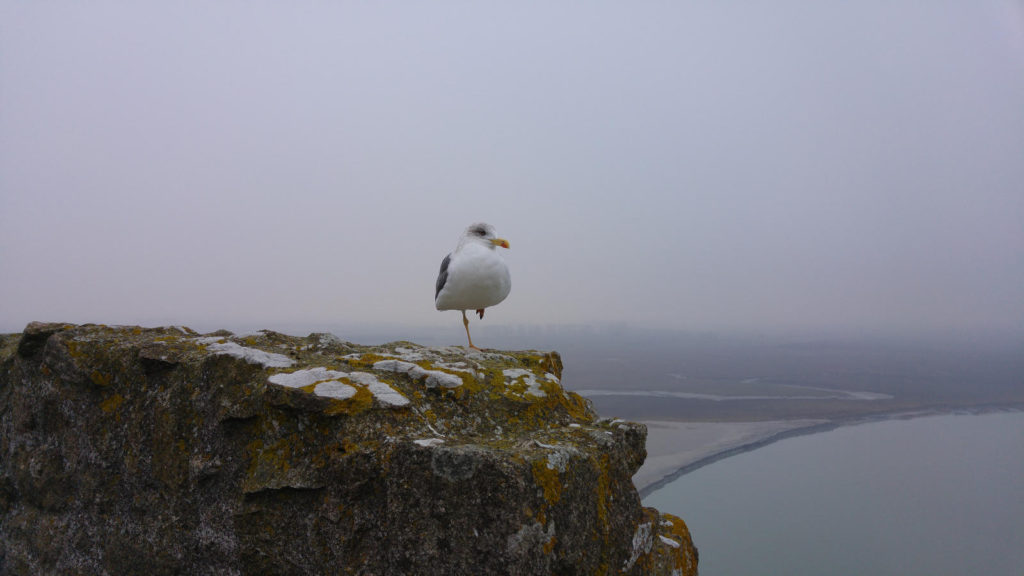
{"x": 550, "y": 336}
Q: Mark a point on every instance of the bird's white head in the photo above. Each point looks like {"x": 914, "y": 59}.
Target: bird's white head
{"x": 484, "y": 234}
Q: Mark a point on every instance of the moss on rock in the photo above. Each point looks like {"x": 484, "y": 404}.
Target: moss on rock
{"x": 160, "y": 450}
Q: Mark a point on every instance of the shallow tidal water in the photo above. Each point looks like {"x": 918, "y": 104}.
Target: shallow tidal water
{"x": 929, "y": 496}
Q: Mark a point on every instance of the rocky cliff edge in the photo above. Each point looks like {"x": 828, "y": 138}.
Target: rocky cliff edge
{"x": 127, "y": 450}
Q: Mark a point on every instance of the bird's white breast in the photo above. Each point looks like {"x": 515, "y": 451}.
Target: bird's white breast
{"x": 477, "y": 278}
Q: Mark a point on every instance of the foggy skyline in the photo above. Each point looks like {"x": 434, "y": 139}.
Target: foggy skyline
{"x": 704, "y": 166}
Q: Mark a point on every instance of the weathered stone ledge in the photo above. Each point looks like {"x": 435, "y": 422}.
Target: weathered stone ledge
{"x": 163, "y": 451}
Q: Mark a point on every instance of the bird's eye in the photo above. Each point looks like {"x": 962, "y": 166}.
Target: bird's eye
{"x": 480, "y": 231}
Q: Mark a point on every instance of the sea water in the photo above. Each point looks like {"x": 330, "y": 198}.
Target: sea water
{"x": 926, "y": 496}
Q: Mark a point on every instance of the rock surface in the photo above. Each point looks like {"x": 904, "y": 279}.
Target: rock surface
{"x": 128, "y": 450}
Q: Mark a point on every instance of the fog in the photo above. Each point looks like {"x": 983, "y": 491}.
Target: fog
{"x": 714, "y": 166}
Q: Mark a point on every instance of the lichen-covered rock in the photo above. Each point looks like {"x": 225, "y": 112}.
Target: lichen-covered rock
{"x": 128, "y": 450}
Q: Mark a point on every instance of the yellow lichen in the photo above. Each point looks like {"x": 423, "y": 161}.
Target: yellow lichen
{"x": 576, "y": 405}
{"x": 683, "y": 557}
{"x": 362, "y": 400}
{"x": 112, "y": 403}
{"x": 74, "y": 349}
{"x": 101, "y": 379}
{"x": 676, "y": 527}
{"x": 547, "y": 479}
{"x": 549, "y": 546}
{"x": 540, "y": 410}
{"x": 517, "y": 386}
{"x": 469, "y": 383}
{"x": 366, "y": 360}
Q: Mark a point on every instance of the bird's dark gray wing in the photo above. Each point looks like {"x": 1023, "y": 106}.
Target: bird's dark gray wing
{"x": 442, "y": 276}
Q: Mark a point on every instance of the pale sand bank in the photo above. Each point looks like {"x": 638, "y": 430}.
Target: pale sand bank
{"x": 675, "y": 446}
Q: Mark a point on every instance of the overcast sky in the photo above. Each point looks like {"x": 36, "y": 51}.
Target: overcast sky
{"x": 695, "y": 165}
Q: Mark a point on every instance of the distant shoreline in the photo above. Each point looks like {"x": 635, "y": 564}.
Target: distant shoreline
{"x": 649, "y": 488}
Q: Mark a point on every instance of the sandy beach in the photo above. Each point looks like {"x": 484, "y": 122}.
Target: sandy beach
{"x": 677, "y": 447}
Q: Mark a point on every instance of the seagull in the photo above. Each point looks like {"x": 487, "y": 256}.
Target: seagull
{"x": 474, "y": 276}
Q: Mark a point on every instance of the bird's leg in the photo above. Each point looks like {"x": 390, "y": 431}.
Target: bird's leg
{"x": 481, "y": 313}
{"x": 465, "y": 322}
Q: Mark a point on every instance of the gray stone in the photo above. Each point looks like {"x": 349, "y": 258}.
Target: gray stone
{"x": 127, "y": 450}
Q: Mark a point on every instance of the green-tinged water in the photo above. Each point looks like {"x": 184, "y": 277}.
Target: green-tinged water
{"x": 929, "y": 496}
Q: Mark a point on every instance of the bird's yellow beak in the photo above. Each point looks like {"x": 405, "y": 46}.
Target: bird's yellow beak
{"x": 500, "y": 242}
